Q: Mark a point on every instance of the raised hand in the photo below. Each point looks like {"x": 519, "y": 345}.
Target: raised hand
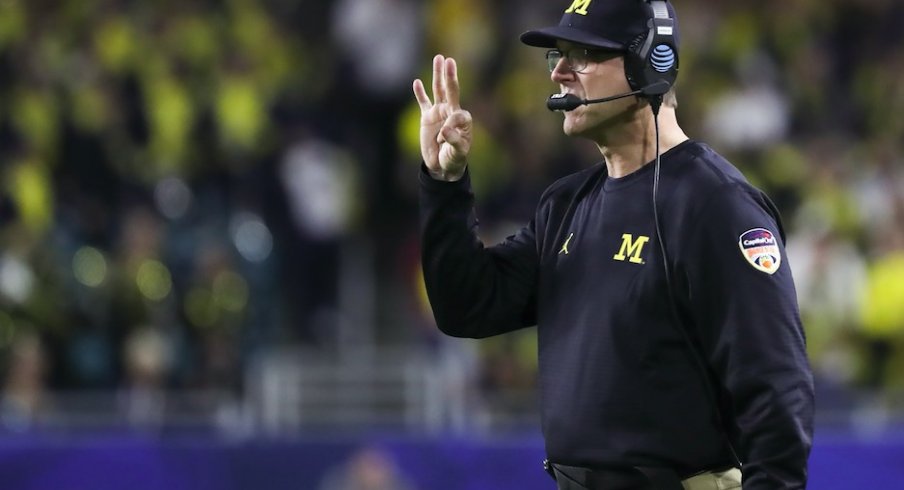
{"x": 445, "y": 127}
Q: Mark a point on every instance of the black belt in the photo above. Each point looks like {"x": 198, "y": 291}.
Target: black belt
{"x": 616, "y": 478}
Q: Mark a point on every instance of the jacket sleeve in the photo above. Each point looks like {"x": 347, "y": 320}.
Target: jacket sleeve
{"x": 744, "y": 305}
{"x": 475, "y": 291}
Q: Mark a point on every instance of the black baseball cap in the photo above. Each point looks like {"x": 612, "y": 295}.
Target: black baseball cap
{"x": 607, "y": 24}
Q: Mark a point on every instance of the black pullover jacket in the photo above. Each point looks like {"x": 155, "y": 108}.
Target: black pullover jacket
{"x": 618, "y": 382}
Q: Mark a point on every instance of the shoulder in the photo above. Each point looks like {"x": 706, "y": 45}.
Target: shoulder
{"x": 701, "y": 168}
{"x": 566, "y": 188}
{"x": 561, "y": 195}
{"x": 709, "y": 191}
{"x": 700, "y": 178}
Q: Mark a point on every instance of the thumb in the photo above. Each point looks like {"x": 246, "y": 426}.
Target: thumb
{"x": 451, "y": 135}
{"x": 457, "y": 128}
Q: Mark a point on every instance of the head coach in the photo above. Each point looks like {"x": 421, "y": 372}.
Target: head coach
{"x": 671, "y": 352}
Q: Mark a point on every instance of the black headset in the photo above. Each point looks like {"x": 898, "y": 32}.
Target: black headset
{"x": 652, "y": 57}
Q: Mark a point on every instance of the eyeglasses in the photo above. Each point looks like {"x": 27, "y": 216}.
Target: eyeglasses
{"x": 577, "y": 59}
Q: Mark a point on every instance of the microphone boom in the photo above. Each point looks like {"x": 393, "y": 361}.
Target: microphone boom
{"x": 570, "y": 102}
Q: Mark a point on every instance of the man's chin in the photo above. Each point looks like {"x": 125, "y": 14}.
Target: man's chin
{"x": 573, "y": 128}
{"x": 582, "y": 126}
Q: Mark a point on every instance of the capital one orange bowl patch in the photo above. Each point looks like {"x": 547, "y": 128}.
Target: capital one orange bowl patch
{"x": 760, "y": 247}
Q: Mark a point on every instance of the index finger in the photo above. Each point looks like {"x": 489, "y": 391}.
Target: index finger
{"x": 420, "y": 94}
{"x": 452, "y": 87}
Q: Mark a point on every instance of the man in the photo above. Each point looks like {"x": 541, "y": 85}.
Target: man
{"x": 670, "y": 345}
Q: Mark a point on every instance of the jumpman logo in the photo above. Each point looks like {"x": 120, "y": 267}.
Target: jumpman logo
{"x": 565, "y": 245}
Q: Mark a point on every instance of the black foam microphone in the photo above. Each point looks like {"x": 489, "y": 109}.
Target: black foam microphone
{"x": 570, "y": 102}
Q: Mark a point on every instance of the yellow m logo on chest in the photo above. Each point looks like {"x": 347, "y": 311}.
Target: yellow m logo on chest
{"x": 579, "y": 7}
{"x": 631, "y": 248}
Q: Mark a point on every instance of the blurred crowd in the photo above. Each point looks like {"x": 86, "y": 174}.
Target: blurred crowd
{"x": 185, "y": 184}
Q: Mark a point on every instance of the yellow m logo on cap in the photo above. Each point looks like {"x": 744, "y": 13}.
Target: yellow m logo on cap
{"x": 579, "y": 7}
{"x": 631, "y": 248}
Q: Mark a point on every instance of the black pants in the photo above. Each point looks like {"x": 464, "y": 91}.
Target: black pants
{"x": 635, "y": 478}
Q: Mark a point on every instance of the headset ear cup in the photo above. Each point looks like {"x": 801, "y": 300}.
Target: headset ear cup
{"x": 651, "y": 61}
{"x": 635, "y": 63}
